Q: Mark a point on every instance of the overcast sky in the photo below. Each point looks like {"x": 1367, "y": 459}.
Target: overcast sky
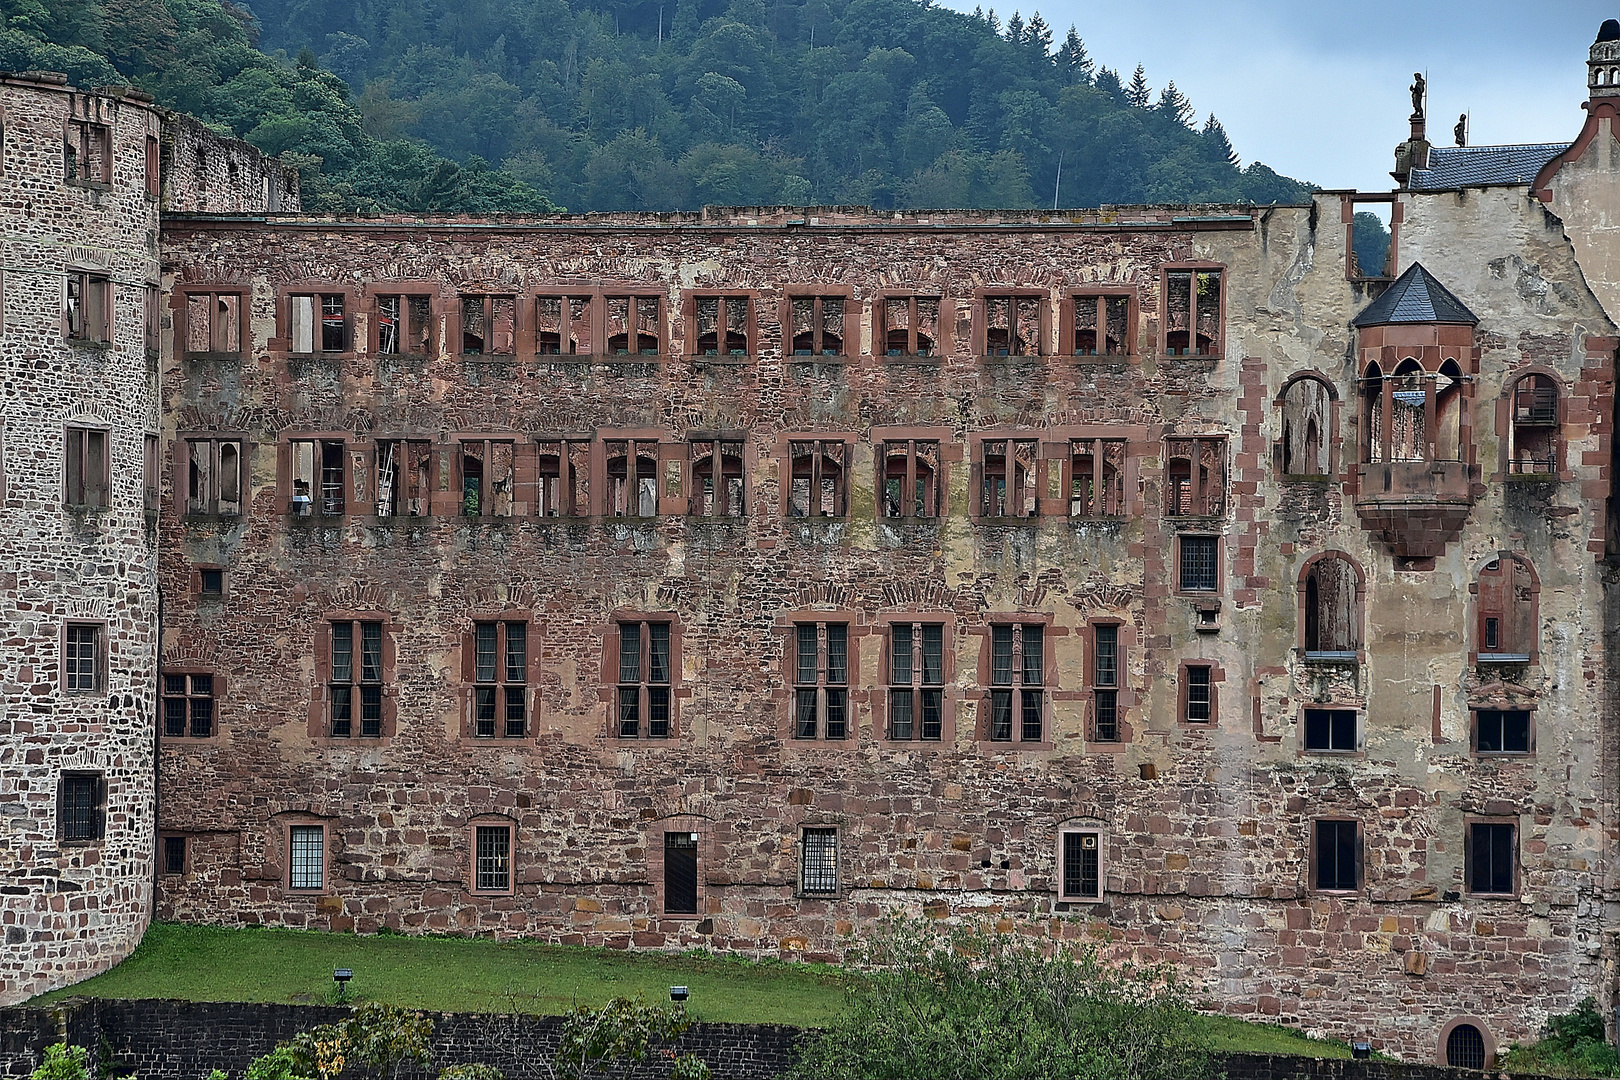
{"x": 1318, "y": 90}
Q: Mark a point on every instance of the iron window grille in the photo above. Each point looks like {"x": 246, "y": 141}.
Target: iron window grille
{"x": 80, "y": 810}
{"x": 493, "y": 846}
{"x": 1200, "y": 694}
{"x": 818, "y": 862}
{"x": 1081, "y": 873}
{"x": 1199, "y": 571}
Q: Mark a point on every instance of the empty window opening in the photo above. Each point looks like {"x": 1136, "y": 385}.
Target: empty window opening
{"x": 318, "y": 323}
{"x": 632, "y": 468}
{"x": 1506, "y": 601}
{"x": 318, "y": 477}
{"x": 1338, "y": 855}
{"x": 1370, "y": 245}
{"x": 81, "y": 806}
{"x": 1111, "y": 315}
{"x": 492, "y": 852}
{"x": 1492, "y": 852}
{"x": 1330, "y": 730}
{"x": 500, "y": 678}
{"x": 564, "y": 478}
{"x": 634, "y": 326}
{"x": 489, "y": 325}
{"x": 1192, "y": 312}
{"x": 150, "y": 318}
{"x": 356, "y": 679}
{"x": 213, "y": 324}
{"x": 88, "y": 467}
{"x": 89, "y": 308}
{"x": 1535, "y": 427}
{"x": 680, "y": 873}
{"x": 1502, "y": 731}
{"x": 717, "y": 478}
{"x": 87, "y": 153}
{"x": 1465, "y": 1047}
{"x": 818, "y": 482}
{"x": 818, "y": 862}
{"x": 1195, "y": 478}
{"x": 1081, "y": 872}
{"x": 214, "y": 477}
{"x": 562, "y": 325}
{"x": 82, "y": 665}
{"x": 403, "y": 468}
{"x": 1200, "y": 694}
{"x": 487, "y": 479}
{"x": 644, "y": 680}
{"x": 1017, "y": 679}
{"x": 1332, "y": 609}
{"x": 188, "y": 706}
{"x": 1012, "y": 325}
{"x": 1200, "y": 570}
{"x": 722, "y": 325}
{"x": 1306, "y": 422}
{"x": 153, "y": 177}
{"x": 910, "y": 325}
{"x": 910, "y": 478}
{"x": 818, "y": 326}
{"x": 821, "y": 680}
{"x": 1096, "y": 478}
{"x": 1008, "y": 480}
{"x": 916, "y": 680}
{"x": 1413, "y": 415}
{"x": 307, "y": 857}
{"x": 1105, "y": 683}
{"x": 405, "y": 325}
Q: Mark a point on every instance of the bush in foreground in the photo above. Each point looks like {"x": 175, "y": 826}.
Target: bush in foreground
{"x": 1572, "y": 1044}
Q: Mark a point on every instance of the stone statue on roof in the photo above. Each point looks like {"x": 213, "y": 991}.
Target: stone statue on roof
{"x": 1420, "y": 86}
{"x": 1461, "y": 130}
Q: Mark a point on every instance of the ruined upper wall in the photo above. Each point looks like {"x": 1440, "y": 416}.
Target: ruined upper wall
{"x": 205, "y": 173}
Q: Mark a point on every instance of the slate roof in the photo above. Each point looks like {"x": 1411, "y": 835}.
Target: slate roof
{"x": 1453, "y": 167}
{"x": 1416, "y": 297}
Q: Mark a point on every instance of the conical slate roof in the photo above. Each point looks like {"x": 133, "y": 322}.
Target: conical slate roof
{"x": 1416, "y": 297}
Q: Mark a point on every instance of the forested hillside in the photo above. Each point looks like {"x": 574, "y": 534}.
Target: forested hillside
{"x": 637, "y": 104}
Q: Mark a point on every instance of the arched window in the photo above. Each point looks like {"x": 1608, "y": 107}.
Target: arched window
{"x": 1506, "y": 600}
{"x": 1330, "y": 588}
{"x": 1533, "y": 431}
{"x": 1414, "y": 414}
{"x": 1307, "y": 428}
{"x": 817, "y": 484}
{"x": 1465, "y": 1047}
{"x": 1372, "y": 413}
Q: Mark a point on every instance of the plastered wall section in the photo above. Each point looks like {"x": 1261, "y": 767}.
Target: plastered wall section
{"x": 69, "y": 910}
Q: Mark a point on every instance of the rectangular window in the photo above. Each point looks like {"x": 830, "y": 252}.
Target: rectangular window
{"x": 680, "y": 873}
{"x": 1192, "y": 313}
{"x": 213, "y": 324}
{"x": 317, "y": 323}
{"x": 1102, "y": 325}
{"x": 1492, "y": 852}
{"x": 150, "y": 315}
{"x": 916, "y": 680}
{"x": 818, "y": 862}
{"x": 1097, "y": 478}
{"x": 174, "y": 855}
{"x": 489, "y": 326}
{"x": 1017, "y": 675}
{"x": 564, "y": 474}
{"x": 87, "y": 153}
{"x": 82, "y": 666}
{"x": 644, "y": 680}
{"x": 1338, "y": 855}
{"x": 153, "y": 176}
{"x": 1502, "y": 731}
{"x": 488, "y": 479}
{"x": 1199, "y": 570}
{"x": 151, "y": 463}
{"x": 1012, "y": 325}
{"x": 1330, "y": 730}
{"x": 632, "y": 468}
{"x": 1195, "y": 478}
{"x": 211, "y": 582}
{"x": 724, "y": 325}
{"x": 909, "y": 326}
{"x": 634, "y": 325}
{"x": 493, "y": 852}
{"x": 717, "y": 478}
{"x": 1105, "y": 683}
{"x": 1200, "y": 704}
{"x": 188, "y": 706}
{"x": 88, "y": 318}
{"x": 817, "y": 326}
{"x": 214, "y": 473}
{"x": 818, "y": 486}
{"x": 355, "y": 682}
{"x": 404, "y": 468}
{"x": 1081, "y": 872}
{"x": 81, "y": 806}
{"x": 500, "y": 678}
{"x": 908, "y": 479}
{"x": 562, "y": 325}
{"x": 405, "y": 325}
{"x": 307, "y": 857}
{"x": 319, "y": 477}
{"x": 821, "y": 680}
{"x": 1008, "y": 478}
{"x": 88, "y": 467}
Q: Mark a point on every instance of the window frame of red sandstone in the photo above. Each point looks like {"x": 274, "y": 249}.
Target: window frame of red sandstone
{"x": 565, "y": 472}
{"x": 154, "y": 181}
{"x": 1068, "y": 307}
{"x": 786, "y": 695}
{"x": 1361, "y": 855}
{"x": 1477, "y": 707}
{"x": 319, "y": 290}
{"x": 1472, "y": 820}
{"x": 1332, "y": 435}
{"x": 181, "y": 479}
{"x": 689, "y": 319}
{"x": 180, "y": 321}
{"x": 307, "y": 820}
{"x": 185, "y": 854}
{"x": 715, "y": 441}
{"x": 878, "y": 703}
{"x": 1477, "y": 624}
{"x": 1217, "y": 676}
{"x": 320, "y": 707}
{"x": 97, "y": 327}
{"x": 1198, "y": 493}
{"x": 87, "y": 129}
{"x": 949, "y": 452}
{"x": 1080, "y": 829}
{"x": 188, "y": 669}
{"x": 1217, "y": 348}
{"x": 609, "y": 687}
{"x": 197, "y": 572}
{"x": 853, "y": 310}
{"x": 491, "y": 821}
{"x": 284, "y": 475}
{"x": 1507, "y": 426}
{"x": 977, "y": 495}
{"x": 1124, "y": 696}
{"x": 1220, "y": 564}
{"x": 654, "y": 846}
{"x": 372, "y": 296}
{"x": 372, "y": 447}
{"x": 985, "y": 663}
{"x": 596, "y": 309}
{"x": 102, "y": 657}
{"x": 982, "y": 298}
{"x": 1360, "y": 713}
{"x": 76, "y": 447}
{"x": 469, "y": 672}
{"x": 944, "y": 342}
{"x": 667, "y": 450}
{"x": 1302, "y": 609}
{"x": 783, "y": 451}
{"x": 599, "y": 314}
{"x": 521, "y": 466}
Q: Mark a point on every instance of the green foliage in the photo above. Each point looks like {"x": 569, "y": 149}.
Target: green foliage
{"x": 279, "y": 1064}
{"x": 63, "y": 1062}
{"x": 1572, "y": 1044}
{"x": 470, "y": 1072}
{"x": 972, "y": 1002}
{"x": 623, "y": 1030}
{"x": 380, "y": 1039}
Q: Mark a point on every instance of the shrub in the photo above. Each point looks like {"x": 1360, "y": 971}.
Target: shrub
{"x": 623, "y": 1028}
{"x": 63, "y": 1062}
{"x": 1572, "y": 1044}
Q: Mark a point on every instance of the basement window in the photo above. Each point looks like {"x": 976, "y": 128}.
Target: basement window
{"x": 818, "y": 862}
{"x": 1080, "y": 869}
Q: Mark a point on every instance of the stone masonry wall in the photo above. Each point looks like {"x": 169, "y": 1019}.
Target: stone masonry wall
{"x": 204, "y": 173}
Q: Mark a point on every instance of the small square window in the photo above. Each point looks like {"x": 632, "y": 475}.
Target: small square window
{"x": 1330, "y": 730}
{"x": 212, "y": 582}
{"x": 1502, "y": 731}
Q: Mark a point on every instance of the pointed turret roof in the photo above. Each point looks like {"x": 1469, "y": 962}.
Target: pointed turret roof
{"x": 1416, "y": 297}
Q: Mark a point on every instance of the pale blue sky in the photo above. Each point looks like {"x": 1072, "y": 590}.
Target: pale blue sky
{"x": 1318, "y": 90}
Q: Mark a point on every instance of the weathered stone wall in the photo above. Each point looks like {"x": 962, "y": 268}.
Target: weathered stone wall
{"x": 204, "y": 173}
{"x": 69, "y": 910}
{"x": 1206, "y": 826}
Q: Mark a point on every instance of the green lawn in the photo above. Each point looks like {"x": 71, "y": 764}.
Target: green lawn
{"x": 205, "y": 963}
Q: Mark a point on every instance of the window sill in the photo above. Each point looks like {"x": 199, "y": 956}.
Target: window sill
{"x": 1002, "y": 746}
{"x": 989, "y": 359}
{"x": 1306, "y": 478}
{"x": 1504, "y": 658}
{"x": 1530, "y": 478}
{"x": 1332, "y": 657}
{"x": 1020, "y": 521}
{"x": 911, "y": 359}
{"x": 914, "y": 744}
{"x": 1102, "y": 358}
{"x": 197, "y": 517}
{"x": 1507, "y": 755}
{"x": 1171, "y": 354}
{"x": 1068, "y": 900}
{"x": 81, "y": 843}
{"x": 886, "y": 519}
{"x": 212, "y": 357}
{"x": 89, "y": 345}
{"x": 311, "y": 521}
{"x": 734, "y": 360}
{"x": 1325, "y": 752}
{"x": 818, "y": 358}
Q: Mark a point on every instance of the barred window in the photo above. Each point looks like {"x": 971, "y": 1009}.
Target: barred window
{"x": 916, "y": 680}
{"x": 818, "y": 862}
{"x": 307, "y": 861}
{"x": 82, "y": 665}
{"x": 493, "y": 852}
{"x": 1105, "y": 683}
{"x": 1017, "y": 672}
{"x": 821, "y": 680}
{"x": 1200, "y": 694}
{"x": 500, "y": 675}
{"x": 81, "y": 805}
{"x": 188, "y": 706}
{"x": 644, "y": 680}
{"x": 356, "y": 680}
{"x": 1081, "y": 872}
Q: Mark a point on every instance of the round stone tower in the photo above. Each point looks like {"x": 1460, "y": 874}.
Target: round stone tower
{"x": 78, "y": 541}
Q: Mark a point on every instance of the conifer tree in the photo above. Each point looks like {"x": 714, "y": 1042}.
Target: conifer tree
{"x": 1015, "y": 29}
{"x": 1038, "y": 38}
{"x": 1073, "y": 61}
{"x": 1108, "y": 80}
{"x": 1139, "y": 94}
{"x": 1220, "y": 147}
{"x": 992, "y": 22}
{"x": 1174, "y": 104}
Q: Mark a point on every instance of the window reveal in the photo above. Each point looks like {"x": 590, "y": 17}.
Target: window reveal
{"x": 1307, "y": 426}
{"x": 910, "y": 325}
{"x": 819, "y": 478}
{"x": 562, "y": 325}
{"x": 1506, "y": 603}
{"x": 916, "y": 680}
{"x": 564, "y": 478}
{"x": 717, "y": 489}
{"x": 1332, "y": 618}
{"x": 1017, "y": 675}
{"x": 1012, "y": 325}
{"x": 644, "y": 680}
{"x": 632, "y": 467}
{"x": 403, "y": 469}
{"x": 319, "y": 475}
{"x": 317, "y": 323}
{"x": 1192, "y": 312}
{"x": 188, "y": 706}
{"x": 821, "y": 680}
{"x": 87, "y": 153}
{"x": 353, "y": 682}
